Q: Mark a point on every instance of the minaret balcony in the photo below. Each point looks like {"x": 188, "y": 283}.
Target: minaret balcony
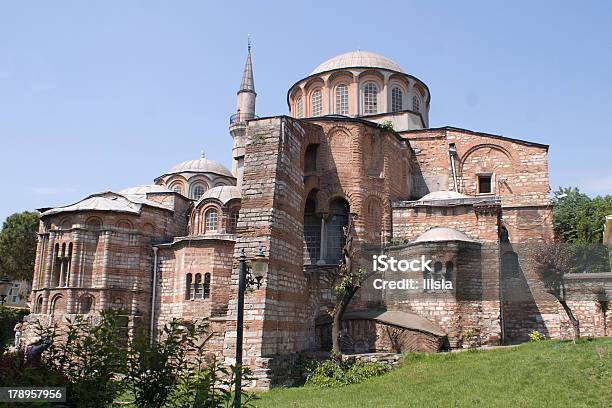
{"x": 241, "y": 117}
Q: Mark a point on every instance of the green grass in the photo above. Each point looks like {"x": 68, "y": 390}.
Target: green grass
{"x": 543, "y": 374}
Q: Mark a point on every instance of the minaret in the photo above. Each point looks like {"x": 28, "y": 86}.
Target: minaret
{"x": 245, "y": 109}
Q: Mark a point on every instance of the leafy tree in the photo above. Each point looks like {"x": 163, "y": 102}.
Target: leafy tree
{"x": 578, "y": 219}
{"x": 18, "y": 245}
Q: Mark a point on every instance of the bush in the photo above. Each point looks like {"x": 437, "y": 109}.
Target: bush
{"x": 336, "y": 372}
{"x": 9, "y": 317}
{"x": 535, "y": 336}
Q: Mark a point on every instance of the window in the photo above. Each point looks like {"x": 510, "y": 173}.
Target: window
{"x": 94, "y": 223}
{"x": 189, "y": 287}
{"x": 198, "y": 286}
{"x": 317, "y": 103}
{"x": 177, "y": 188}
{"x": 416, "y": 103}
{"x": 396, "y": 99}
{"x": 232, "y": 221}
{"x": 484, "y": 184}
{"x": 312, "y": 231}
{"x": 370, "y": 98}
{"x": 206, "y": 291}
{"x": 299, "y": 109}
{"x": 197, "y": 191}
{"x": 210, "y": 220}
{"x": 310, "y": 158}
{"x": 85, "y": 304}
{"x": 338, "y": 220}
{"x": 39, "y": 305}
{"x": 448, "y": 273}
{"x": 342, "y": 107}
{"x": 504, "y": 237}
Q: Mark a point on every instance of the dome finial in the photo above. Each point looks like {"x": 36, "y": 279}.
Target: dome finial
{"x": 202, "y": 154}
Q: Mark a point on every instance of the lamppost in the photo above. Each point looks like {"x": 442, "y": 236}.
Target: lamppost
{"x": 248, "y": 277}
{"x": 5, "y": 288}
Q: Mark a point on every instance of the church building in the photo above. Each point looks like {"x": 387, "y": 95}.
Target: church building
{"x": 355, "y": 145}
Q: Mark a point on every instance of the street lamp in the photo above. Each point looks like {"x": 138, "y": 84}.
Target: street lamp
{"x": 248, "y": 277}
{"x": 5, "y": 288}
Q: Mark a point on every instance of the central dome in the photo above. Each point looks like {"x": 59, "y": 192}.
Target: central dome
{"x": 201, "y": 166}
{"x": 356, "y": 59}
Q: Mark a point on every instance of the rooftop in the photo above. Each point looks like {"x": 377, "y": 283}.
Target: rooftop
{"x": 356, "y": 59}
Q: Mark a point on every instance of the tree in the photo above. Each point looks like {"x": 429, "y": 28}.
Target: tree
{"x": 578, "y": 219}
{"x": 348, "y": 278}
{"x": 18, "y": 245}
{"x": 553, "y": 260}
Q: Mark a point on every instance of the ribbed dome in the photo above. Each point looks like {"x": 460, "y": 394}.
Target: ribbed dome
{"x": 201, "y": 166}
{"x": 358, "y": 59}
{"x": 438, "y": 234}
{"x": 144, "y": 190}
{"x": 222, "y": 193}
{"x": 442, "y": 195}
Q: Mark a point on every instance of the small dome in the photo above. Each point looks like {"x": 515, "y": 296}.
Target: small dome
{"x": 442, "y": 195}
{"x": 144, "y": 190}
{"x": 356, "y": 59}
{"x": 202, "y": 165}
{"x": 440, "y": 234}
{"x": 222, "y": 193}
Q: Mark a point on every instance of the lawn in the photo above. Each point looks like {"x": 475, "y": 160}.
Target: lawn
{"x": 543, "y": 374}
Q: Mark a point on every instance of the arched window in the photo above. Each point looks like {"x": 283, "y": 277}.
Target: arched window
{"x": 338, "y": 220}
{"x": 39, "y": 304}
{"x": 197, "y": 191}
{"x": 232, "y": 221}
{"x": 317, "y": 103}
{"x": 416, "y": 103}
{"x": 117, "y": 304}
{"x": 310, "y": 158}
{"x": 189, "y": 287}
{"x": 197, "y": 286}
{"x": 449, "y": 269}
{"x": 299, "y": 108}
{"x": 210, "y": 220}
{"x": 123, "y": 224}
{"x": 342, "y": 107}
{"x": 396, "y": 99}
{"x": 206, "y": 285}
{"x": 437, "y": 272}
{"x": 58, "y": 305}
{"x": 94, "y": 223}
{"x": 370, "y": 98}
{"x": 177, "y": 188}
{"x": 312, "y": 231}
{"x": 85, "y": 304}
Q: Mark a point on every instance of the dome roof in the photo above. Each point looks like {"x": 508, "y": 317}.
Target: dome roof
{"x": 144, "y": 190}
{"x": 442, "y": 195}
{"x": 357, "y": 59}
{"x": 201, "y": 165}
{"x": 440, "y": 234}
{"x": 222, "y": 193}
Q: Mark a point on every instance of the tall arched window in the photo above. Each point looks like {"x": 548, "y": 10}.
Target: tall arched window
{"x": 370, "y": 98}
{"x": 396, "y": 99}
{"x": 338, "y": 220}
{"x": 310, "y": 158}
{"x": 317, "y": 103}
{"x": 416, "y": 103}
{"x": 232, "y": 221}
{"x": 299, "y": 108}
{"x": 342, "y": 107}
{"x": 39, "y": 304}
{"x": 206, "y": 291}
{"x": 210, "y": 220}
{"x": 85, "y": 304}
{"x": 197, "y": 191}
{"x": 188, "y": 286}
{"x": 448, "y": 273}
{"x": 312, "y": 231}
{"x": 437, "y": 273}
{"x": 198, "y": 286}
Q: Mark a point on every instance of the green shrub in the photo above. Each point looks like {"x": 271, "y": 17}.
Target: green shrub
{"x": 335, "y": 372}
{"x": 386, "y": 125}
{"x": 9, "y": 317}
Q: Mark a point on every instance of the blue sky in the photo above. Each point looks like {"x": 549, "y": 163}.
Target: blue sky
{"x": 103, "y": 95}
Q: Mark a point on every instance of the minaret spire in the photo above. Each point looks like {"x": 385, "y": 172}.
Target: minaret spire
{"x": 248, "y": 83}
